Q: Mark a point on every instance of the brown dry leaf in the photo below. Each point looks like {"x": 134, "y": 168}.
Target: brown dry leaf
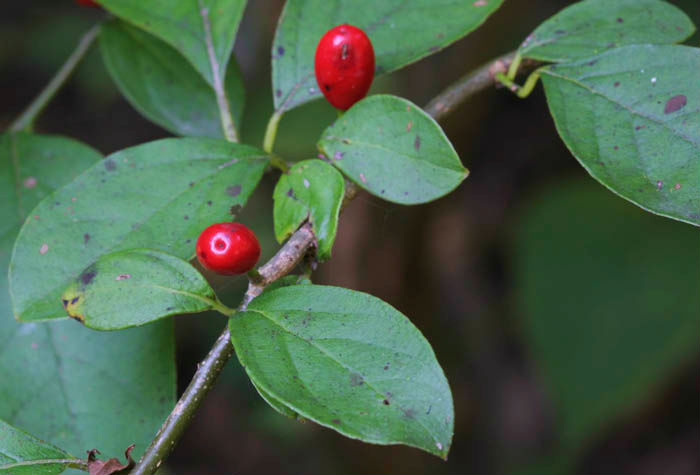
{"x": 109, "y": 467}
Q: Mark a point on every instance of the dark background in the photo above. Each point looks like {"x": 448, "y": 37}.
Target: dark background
{"x": 566, "y": 318}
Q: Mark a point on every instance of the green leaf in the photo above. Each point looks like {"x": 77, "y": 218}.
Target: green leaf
{"x": 401, "y": 33}
{"x": 62, "y": 382}
{"x": 276, "y": 404}
{"x": 163, "y": 86}
{"x": 630, "y": 116}
{"x": 203, "y": 31}
{"x": 592, "y": 26}
{"x": 158, "y": 195}
{"x": 23, "y": 454}
{"x": 394, "y": 150}
{"x": 609, "y": 302}
{"x": 347, "y": 361}
{"x": 134, "y": 287}
{"x": 311, "y": 190}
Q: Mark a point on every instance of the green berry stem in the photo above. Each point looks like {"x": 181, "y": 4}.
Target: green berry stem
{"x": 271, "y": 131}
{"x": 26, "y": 120}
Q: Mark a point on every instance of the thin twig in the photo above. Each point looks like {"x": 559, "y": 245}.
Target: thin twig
{"x": 26, "y": 120}
{"x": 473, "y": 83}
{"x": 280, "y": 265}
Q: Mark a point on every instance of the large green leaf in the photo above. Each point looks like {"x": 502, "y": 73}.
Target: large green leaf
{"x": 64, "y": 383}
{"x": 609, "y": 302}
{"x": 348, "y": 361}
{"x": 163, "y": 86}
{"x": 158, "y": 195}
{"x": 23, "y": 454}
{"x": 203, "y": 31}
{"x": 401, "y": 32}
{"x": 394, "y": 150}
{"x": 133, "y": 287}
{"x": 311, "y": 190}
{"x": 592, "y": 26}
{"x": 631, "y": 117}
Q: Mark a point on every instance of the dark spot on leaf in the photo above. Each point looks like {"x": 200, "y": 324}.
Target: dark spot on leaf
{"x": 386, "y": 402}
{"x": 88, "y": 275}
{"x": 611, "y": 45}
{"x": 169, "y": 309}
{"x": 416, "y": 143}
{"x": 278, "y": 93}
{"x": 386, "y": 366}
{"x": 75, "y": 300}
{"x": 65, "y": 303}
{"x": 675, "y": 103}
{"x": 280, "y": 50}
{"x": 409, "y": 413}
{"x": 336, "y": 421}
{"x": 235, "y": 210}
{"x": 356, "y": 379}
{"x": 186, "y": 217}
{"x": 209, "y": 202}
{"x": 383, "y": 191}
{"x": 291, "y": 194}
{"x": 620, "y": 20}
{"x": 110, "y": 166}
{"x": 559, "y": 32}
{"x": 591, "y": 63}
{"x": 615, "y": 147}
{"x": 233, "y": 190}
{"x": 86, "y": 238}
{"x": 617, "y": 83}
{"x": 191, "y": 184}
{"x": 640, "y": 127}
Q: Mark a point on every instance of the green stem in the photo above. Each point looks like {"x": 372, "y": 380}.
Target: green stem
{"x": 513, "y": 69}
{"x": 26, "y": 120}
{"x": 520, "y": 91}
{"x": 277, "y": 162}
{"x": 221, "y": 308}
{"x": 271, "y": 131}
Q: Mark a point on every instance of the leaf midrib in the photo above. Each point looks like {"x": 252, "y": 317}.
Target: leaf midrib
{"x": 343, "y": 366}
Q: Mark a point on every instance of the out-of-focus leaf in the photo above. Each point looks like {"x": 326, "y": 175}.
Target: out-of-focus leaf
{"x": 163, "y": 86}
{"x": 203, "y": 31}
{"x": 609, "y": 302}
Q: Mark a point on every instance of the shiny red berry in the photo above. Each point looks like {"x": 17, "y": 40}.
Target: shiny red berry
{"x": 228, "y": 248}
{"x": 87, "y": 3}
{"x": 344, "y": 65}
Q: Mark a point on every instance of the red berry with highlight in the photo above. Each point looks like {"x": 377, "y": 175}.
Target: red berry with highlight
{"x": 228, "y": 248}
{"x": 87, "y": 3}
{"x": 344, "y": 65}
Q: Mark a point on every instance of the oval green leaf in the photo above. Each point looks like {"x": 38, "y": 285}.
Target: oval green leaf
{"x": 592, "y": 26}
{"x": 401, "y": 32}
{"x": 134, "y": 287}
{"x": 203, "y": 31}
{"x": 630, "y": 117}
{"x": 311, "y": 190}
{"x": 394, "y": 150}
{"x": 615, "y": 325}
{"x": 163, "y": 86}
{"x": 158, "y": 195}
{"x": 24, "y": 454}
{"x": 347, "y": 361}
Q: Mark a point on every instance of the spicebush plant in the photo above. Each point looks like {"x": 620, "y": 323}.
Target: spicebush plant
{"x": 109, "y": 241}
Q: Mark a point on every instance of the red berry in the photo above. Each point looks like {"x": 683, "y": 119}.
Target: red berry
{"x": 87, "y": 3}
{"x": 228, "y": 248}
{"x": 344, "y": 65}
